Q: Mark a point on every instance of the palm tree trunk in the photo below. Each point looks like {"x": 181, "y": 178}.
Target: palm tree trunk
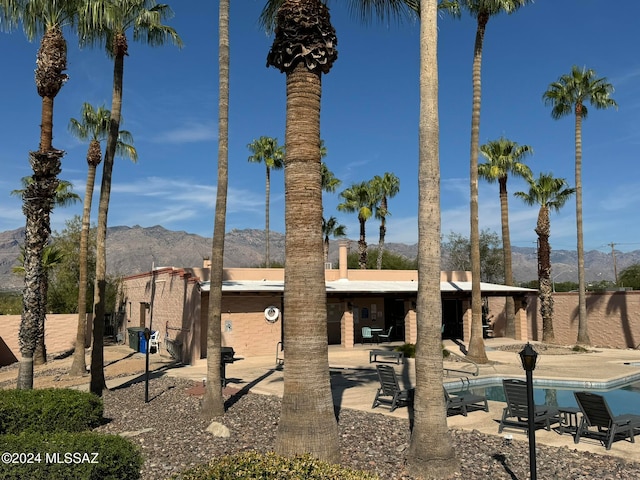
{"x": 40, "y": 354}
{"x": 98, "y": 384}
{"x": 79, "y": 365}
{"x": 583, "y": 331}
{"x": 212, "y": 402}
{"x": 307, "y": 422}
{"x": 476, "y": 350}
{"x": 325, "y": 249}
{"x": 544, "y": 275}
{"x": 267, "y": 189}
{"x": 510, "y": 330}
{"x": 36, "y": 208}
{"x": 362, "y": 246}
{"x": 383, "y": 231}
{"x": 430, "y": 453}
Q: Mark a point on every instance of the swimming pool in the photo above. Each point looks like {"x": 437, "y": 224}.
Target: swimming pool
{"x": 622, "y": 398}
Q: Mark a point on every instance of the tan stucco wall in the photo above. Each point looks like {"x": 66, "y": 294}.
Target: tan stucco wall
{"x": 613, "y": 319}
{"x": 176, "y": 308}
{"x": 59, "y": 335}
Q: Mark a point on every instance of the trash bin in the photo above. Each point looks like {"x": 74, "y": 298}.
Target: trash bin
{"x": 143, "y": 341}
{"x": 134, "y": 337}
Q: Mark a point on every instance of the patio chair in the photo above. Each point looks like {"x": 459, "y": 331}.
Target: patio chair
{"x": 390, "y": 392}
{"x": 154, "y": 342}
{"x": 516, "y": 413}
{"x": 604, "y": 425}
{"x": 367, "y": 334}
{"x": 464, "y": 402}
{"x": 386, "y": 336}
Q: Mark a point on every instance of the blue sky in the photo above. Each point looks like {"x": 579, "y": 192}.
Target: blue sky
{"x": 369, "y": 120}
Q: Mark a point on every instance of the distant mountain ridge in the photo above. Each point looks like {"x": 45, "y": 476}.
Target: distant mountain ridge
{"x": 132, "y": 250}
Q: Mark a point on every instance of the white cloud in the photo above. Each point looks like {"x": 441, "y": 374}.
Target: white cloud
{"x": 191, "y": 132}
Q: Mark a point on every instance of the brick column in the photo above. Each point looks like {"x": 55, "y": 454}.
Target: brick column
{"x": 522, "y": 326}
{"x": 466, "y": 319}
{"x": 410, "y": 323}
{"x": 346, "y": 327}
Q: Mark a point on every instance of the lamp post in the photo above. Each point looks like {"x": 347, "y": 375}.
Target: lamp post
{"x": 528, "y": 356}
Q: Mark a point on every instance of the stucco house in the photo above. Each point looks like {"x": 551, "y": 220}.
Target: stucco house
{"x": 175, "y": 301}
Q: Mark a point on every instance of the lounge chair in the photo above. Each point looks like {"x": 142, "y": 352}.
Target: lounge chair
{"x": 608, "y": 428}
{"x": 464, "y": 402}
{"x": 516, "y": 413}
{"x": 390, "y": 392}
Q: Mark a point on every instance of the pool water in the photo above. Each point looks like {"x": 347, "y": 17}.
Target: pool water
{"x": 625, "y": 399}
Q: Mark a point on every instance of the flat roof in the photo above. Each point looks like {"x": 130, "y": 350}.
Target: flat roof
{"x": 347, "y": 286}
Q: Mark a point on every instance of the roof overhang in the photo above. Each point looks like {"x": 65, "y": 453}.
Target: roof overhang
{"x": 368, "y": 287}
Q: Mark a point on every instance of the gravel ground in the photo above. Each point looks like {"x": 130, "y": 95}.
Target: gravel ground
{"x": 172, "y": 436}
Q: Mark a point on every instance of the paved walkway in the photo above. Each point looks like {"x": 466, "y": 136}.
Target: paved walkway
{"x": 354, "y": 383}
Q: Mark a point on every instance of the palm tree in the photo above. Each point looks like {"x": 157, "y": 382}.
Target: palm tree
{"x": 64, "y": 196}
{"x": 385, "y": 187}
{"x": 46, "y": 18}
{"x": 329, "y": 181}
{"x": 504, "y": 158}
{"x": 331, "y": 227}
{"x": 359, "y": 198}
{"x": 52, "y": 257}
{"x": 304, "y": 49}
{"x": 93, "y": 126}
{"x": 430, "y": 453}
{"x": 212, "y": 402}
{"x": 266, "y": 150}
{"x": 569, "y": 94}
{"x": 482, "y": 11}
{"x": 551, "y": 194}
{"x": 431, "y": 449}
{"x": 107, "y": 22}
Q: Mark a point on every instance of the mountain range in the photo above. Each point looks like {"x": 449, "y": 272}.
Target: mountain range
{"x": 132, "y": 250}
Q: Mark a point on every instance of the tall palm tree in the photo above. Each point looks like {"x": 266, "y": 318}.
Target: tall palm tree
{"x": 430, "y": 453}
{"x": 331, "y": 227}
{"x": 46, "y": 18}
{"x": 64, "y": 196}
{"x": 266, "y": 150}
{"x": 482, "y": 11}
{"x": 107, "y": 22}
{"x": 385, "y": 187}
{"x": 212, "y": 402}
{"x": 93, "y": 126}
{"x": 569, "y": 94}
{"x": 304, "y": 49}
{"x": 359, "y": 198}
{"x": 505, "y": 157}
{"x": 551, "y": 194}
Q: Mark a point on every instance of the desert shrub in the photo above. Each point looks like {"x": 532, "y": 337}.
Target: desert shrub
{"x": 409, "y": 350}
{"x": 269, "y": 466}
{"x": 49, "y": 410}
{"x": 69, "y": 456}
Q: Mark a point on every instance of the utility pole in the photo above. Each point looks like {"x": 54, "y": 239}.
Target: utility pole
{"x": 615, "y": 267}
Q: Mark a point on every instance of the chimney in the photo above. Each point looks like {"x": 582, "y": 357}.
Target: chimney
{"x": 343, "y": 247}
{"x": 206, "y": 262}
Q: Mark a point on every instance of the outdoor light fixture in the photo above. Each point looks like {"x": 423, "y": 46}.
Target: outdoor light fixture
{"x": 528, "y": 356}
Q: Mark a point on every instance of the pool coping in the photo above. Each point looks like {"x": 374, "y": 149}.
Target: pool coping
{"x": 610, "y": 384}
